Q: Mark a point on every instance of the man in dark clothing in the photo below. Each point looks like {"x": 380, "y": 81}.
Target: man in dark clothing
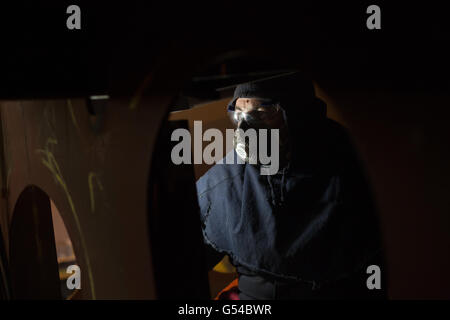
{"x": 308, "y": 231}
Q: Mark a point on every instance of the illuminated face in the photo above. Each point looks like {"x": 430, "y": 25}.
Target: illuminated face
{"x": 247, "y": 104}
{"x": 256, "y": 110}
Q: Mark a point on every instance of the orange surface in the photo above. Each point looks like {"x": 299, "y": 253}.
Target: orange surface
{"x": 233, "y": 283}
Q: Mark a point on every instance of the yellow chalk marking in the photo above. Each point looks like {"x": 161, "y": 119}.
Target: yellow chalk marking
{"x": 140, "y": 90}
{"x": 91, "y": 176}
{"x": 72, "y": 114}
{"x": 50, "y": 162}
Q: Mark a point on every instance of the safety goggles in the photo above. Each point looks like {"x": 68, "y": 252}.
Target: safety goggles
{"x": 262, "y": 114}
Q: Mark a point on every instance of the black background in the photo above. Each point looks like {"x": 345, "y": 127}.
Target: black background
{"x": 39, "y": 56}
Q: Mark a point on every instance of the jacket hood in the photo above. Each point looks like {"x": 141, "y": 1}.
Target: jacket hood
{"x": 294, "y": 93}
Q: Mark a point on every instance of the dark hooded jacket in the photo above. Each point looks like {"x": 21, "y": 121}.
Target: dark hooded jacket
{"x": 314, "y": 221}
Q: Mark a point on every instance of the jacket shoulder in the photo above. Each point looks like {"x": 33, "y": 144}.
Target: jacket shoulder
{"x": 217, "y": 175}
